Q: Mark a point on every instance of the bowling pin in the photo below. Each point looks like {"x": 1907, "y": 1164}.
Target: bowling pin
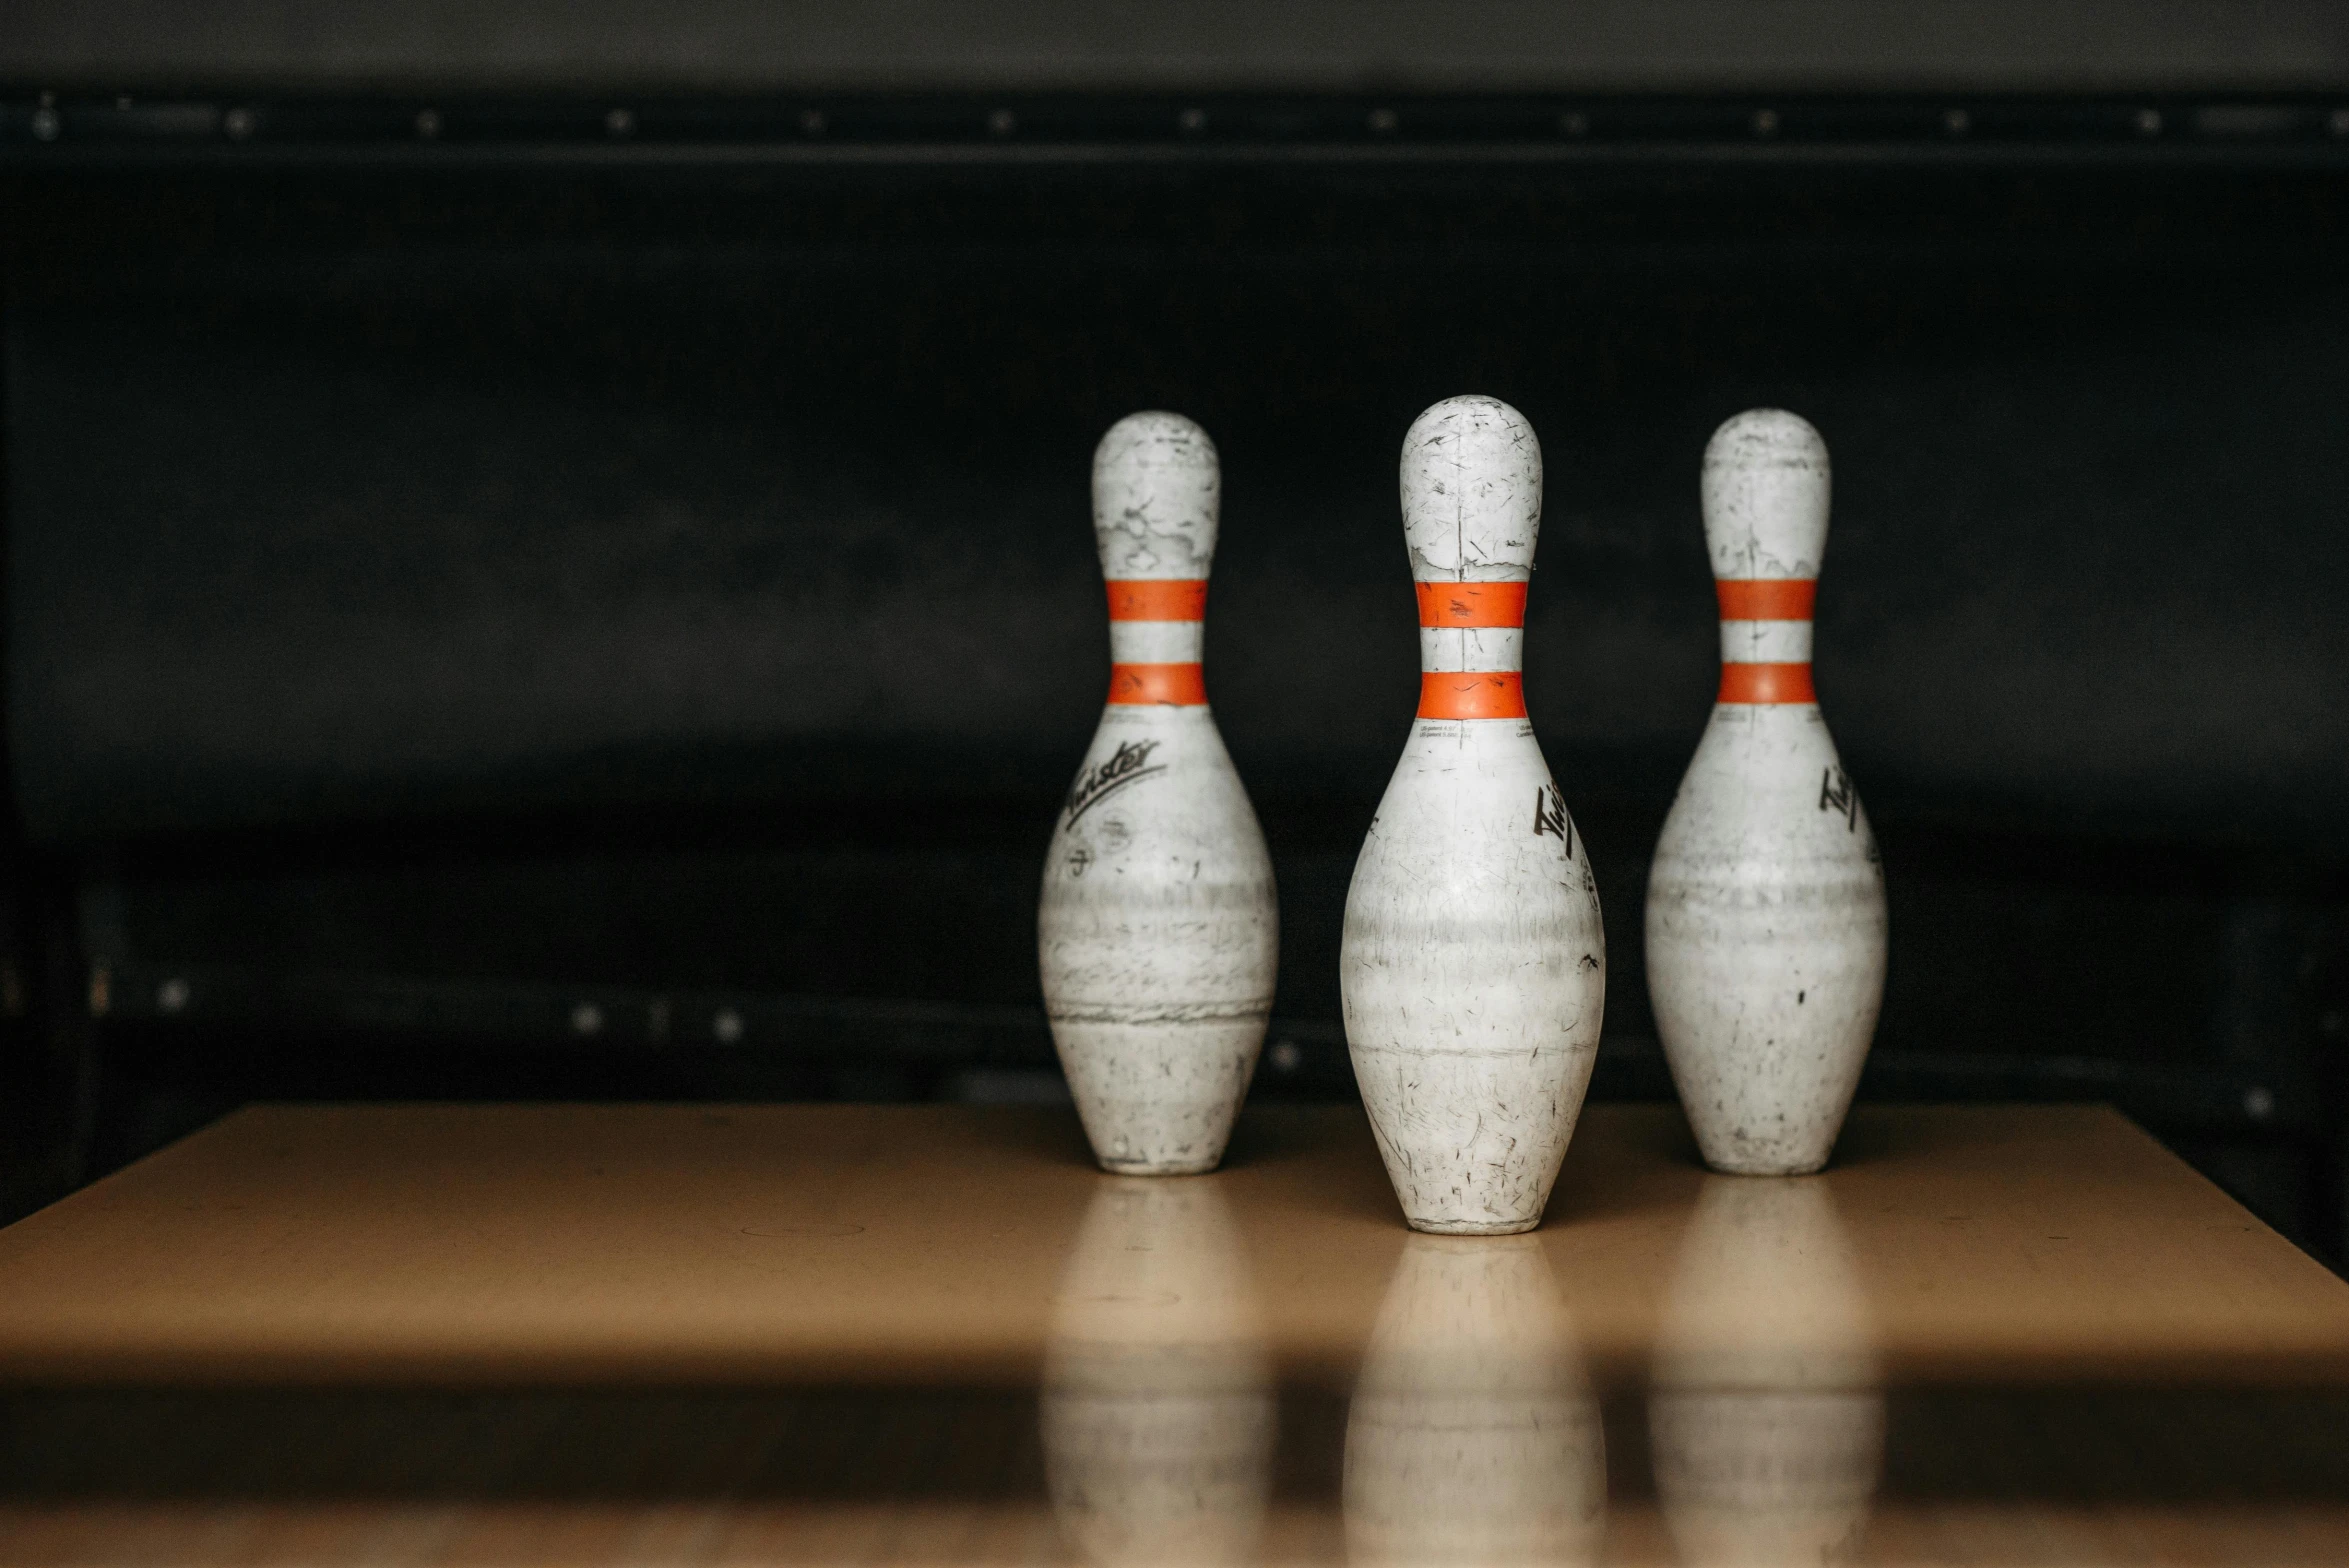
{"x": 1765, "y": 914}
{"x": 1158, "y": 932}
{"x": 1473, "y": 966}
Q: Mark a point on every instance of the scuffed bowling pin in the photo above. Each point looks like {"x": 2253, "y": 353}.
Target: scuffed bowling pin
{"x": 1158, "y": 931}
{"x": 1765, "y": 916}
{"x": 1473, "y": 965}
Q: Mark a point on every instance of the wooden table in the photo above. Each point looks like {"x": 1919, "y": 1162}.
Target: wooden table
{"x": 804, "y": 1333}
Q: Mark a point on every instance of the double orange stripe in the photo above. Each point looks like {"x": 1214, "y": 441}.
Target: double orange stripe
{"x": 1157, "y": 599}
{"x": 1471, "y": 694}
{"x": 1768, "y": 599}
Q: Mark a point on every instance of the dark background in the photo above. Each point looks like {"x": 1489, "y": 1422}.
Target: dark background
{"x": 504, "y": 600}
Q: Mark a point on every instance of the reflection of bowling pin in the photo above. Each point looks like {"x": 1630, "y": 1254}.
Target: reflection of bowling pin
{"x": 1473, "y": 1436}
{"x": 1158, "y": 931}
{"x": 1767, "y": 1418}
{"x": 1473, "y": 966}
{"x": 1158, "y": 1406}
{"x": 1765, "y": 917}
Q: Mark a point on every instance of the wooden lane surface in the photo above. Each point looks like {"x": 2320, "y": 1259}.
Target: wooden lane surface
{"x": 745, "y": 1246}
{"x": 322, "y": 1477}
{"x": 807, "y": 1335}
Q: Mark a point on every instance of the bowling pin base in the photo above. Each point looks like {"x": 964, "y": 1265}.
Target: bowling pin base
{"x": 1159, "y": 1099}
{"x": 1158, "y": 1167}
{"x": 1733, "y": 1165}
{"x": 1472, "y": 1143}
{"x": 1441, "y": 1227}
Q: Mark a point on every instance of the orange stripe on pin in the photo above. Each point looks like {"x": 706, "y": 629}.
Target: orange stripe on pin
{"x": 1764, "y": 683}
{"x": 1472, "y": 694}
{"x": 1158, "y": 599}
{"x": 1138, "y": 685}
{"x": 1768, "y": 598}
{"x": 1471, "y": 604}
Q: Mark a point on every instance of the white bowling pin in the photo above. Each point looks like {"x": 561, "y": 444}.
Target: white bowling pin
{"x": 1158, "y": 931}
{"x": 1158, "y": 1408}
{"x": 1473, "y": 965}
{"x": 1767, "y": 1414}
{"x": 1474, "y": 1436}
{"x": 1765, "y": 914}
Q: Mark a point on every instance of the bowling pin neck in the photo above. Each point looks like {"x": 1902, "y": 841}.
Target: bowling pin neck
{"x": 1766, "y": 639}
{"x": 1472, "y": 507}
{"x": 1157, "y": 497}
{"x": 1157, "y": 637}
{"x": 1156, "y": 500}
{"x": 1472, "y": 650}
{"x": 1765, "y": 495}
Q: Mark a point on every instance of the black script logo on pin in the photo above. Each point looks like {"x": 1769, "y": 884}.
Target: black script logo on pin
{"x": 1114, "y": 772}
{"x": 1836, "y": 794}
{"x": 1549, "y": 816}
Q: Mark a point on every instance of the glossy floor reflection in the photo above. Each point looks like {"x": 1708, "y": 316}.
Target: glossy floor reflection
{"x": 1473, "y": 1435}
{"x": 1158, "y": 1404}
{"x": 1766, "y": 1419}
{"x": 2022, "y": 1337}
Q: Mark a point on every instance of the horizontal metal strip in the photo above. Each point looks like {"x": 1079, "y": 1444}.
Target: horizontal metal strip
{"x": 35, "y": 120}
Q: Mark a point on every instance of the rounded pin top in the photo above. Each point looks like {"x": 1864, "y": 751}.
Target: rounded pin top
{"x": 1157, "y": 493}
{"x": 1765, "y": 496}
{"x": 1472, "y": 492}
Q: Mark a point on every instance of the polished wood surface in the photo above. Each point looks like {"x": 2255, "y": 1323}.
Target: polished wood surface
{"x": 801, "y": 1335}
{"x": 1989, "y": 1477}
{"x": 782, "y": 1244}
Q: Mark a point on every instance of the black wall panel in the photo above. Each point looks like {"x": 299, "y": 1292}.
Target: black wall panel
{"x": 338, "y": 495}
